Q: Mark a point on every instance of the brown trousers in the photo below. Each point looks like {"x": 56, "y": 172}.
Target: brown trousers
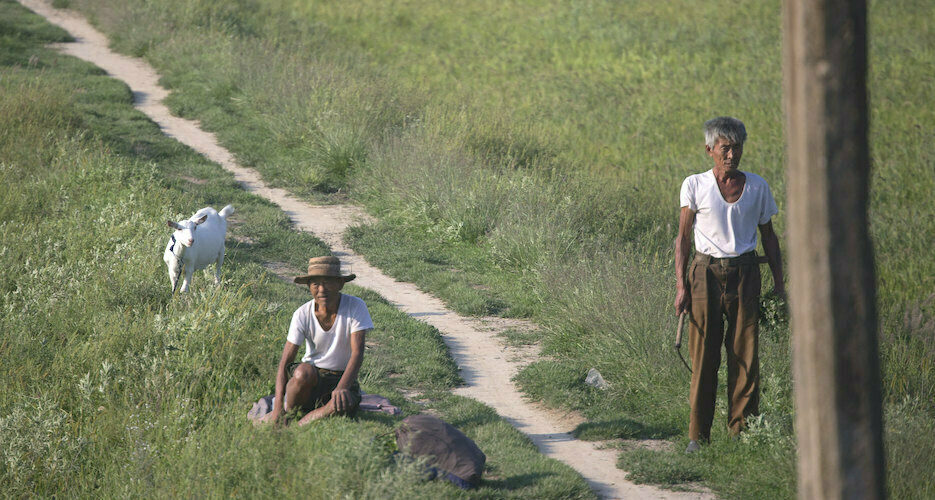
{"x": 724, "y": 288}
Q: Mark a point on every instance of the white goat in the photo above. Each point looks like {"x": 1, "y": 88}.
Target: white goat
{"x": 197, "y": 242}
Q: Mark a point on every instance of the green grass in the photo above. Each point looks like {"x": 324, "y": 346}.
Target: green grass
{"x": 524, "y": 159}
{"x": 115, "y": 388}
{"x": 518, "y": 338}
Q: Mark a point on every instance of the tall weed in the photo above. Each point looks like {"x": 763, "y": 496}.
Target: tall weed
{"x": 38, "y": 444}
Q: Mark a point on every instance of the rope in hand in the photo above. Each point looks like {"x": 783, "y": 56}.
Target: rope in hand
{"x": 678, "y": 341}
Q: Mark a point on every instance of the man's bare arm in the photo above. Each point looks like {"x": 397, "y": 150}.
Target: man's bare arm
{"x": 773, "y": 257}
{"x": 282, "y": 378}
{"x": 682, "y": 253}
{"x": 340, "y": 394}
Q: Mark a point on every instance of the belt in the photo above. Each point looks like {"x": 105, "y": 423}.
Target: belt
{"x": 749, "y": 258}
{"x": 325, "y": 371}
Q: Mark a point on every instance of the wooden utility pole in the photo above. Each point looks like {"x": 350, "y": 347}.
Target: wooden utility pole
{"x": 832, "y": 279}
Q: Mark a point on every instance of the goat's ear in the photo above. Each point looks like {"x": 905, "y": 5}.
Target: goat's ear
{"x": 202, "y": 219}
{"x": 173, "y": 224}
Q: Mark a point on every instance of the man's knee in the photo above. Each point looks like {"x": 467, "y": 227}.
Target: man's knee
{"x": 305, "y": 376}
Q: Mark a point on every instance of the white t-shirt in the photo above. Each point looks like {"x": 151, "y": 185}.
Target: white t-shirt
{"x": 727, "y": 229}
{"x": 329, "y": 349}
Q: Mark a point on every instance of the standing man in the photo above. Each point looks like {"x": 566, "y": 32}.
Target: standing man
{"x": 332, "y": 326}
{"x": 724, "y": 207}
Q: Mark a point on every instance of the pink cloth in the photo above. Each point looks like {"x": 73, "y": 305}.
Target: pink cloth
{"x": 375, "y": 402}
{"x": 368, "y": 402}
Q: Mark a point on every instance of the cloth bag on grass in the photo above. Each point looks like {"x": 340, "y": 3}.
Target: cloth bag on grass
{"x": 455, "y": 456}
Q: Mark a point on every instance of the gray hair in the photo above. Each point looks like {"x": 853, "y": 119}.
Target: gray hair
{"x": 727, "y": 127}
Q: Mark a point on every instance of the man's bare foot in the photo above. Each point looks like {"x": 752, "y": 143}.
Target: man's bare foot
{"x": 321, "y": 412}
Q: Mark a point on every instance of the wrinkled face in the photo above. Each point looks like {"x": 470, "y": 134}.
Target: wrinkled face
{"x": 326, "y": 289}
{"x": 726, "y": 155}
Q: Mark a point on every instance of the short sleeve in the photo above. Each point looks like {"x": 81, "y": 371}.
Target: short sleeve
{"x": 360, "y": 317}
{"x": 298, "y": 328}
{"x": 687, "y": 195}
{"x": 769, "y": 208}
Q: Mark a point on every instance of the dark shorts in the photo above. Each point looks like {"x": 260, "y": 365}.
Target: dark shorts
{"x": 327, "y": 381}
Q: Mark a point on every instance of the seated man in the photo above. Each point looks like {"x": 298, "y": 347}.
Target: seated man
{"x": 333, "y": 326}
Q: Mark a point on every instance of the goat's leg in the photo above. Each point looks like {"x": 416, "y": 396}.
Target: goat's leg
{"x": 189, "y": 270}
{"x": 217, "y": 267}
{"x": 173, "y": 274}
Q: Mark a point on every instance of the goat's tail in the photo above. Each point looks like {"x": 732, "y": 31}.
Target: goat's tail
{"x": 226, "y": 211}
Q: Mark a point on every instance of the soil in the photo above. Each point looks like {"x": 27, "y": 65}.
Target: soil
{"x": 487, "y": 364}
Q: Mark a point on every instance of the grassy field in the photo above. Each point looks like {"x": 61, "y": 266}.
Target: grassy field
{"x": 113, "y": 388}
{"x": 524, "y": 159}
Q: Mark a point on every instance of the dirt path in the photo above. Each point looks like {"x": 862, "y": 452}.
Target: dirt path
{"x": 485, "y": 364}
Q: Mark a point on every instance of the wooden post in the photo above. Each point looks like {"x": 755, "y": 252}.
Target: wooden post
{"x": 831, "y": 269}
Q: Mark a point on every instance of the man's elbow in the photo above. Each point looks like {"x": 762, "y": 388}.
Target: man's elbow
{"x": 682, "y": 242}
{"x": 357, "y": 358}
{"x": 772, "y": 239}
{"x": 771, "y": 247}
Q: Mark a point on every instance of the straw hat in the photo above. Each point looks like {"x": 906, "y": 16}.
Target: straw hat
{"x": 324, "y": 267}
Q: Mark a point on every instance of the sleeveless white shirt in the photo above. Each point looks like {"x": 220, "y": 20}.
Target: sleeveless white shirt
{"x": 725, "y": 229}
{"x": 329, "y": 349}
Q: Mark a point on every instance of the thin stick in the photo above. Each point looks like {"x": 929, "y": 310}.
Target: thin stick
{"x": 678, "y": 341}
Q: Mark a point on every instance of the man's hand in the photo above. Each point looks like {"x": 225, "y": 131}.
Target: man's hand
{"x": 683, "y": 301}
{"x": 272, "y": 417}
{"x": 341, "y": 399}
